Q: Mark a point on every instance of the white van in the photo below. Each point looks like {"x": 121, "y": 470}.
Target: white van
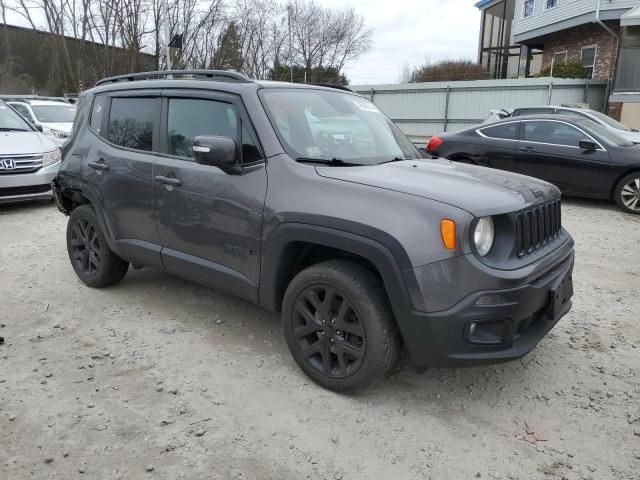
{"x": 29, "y": 161}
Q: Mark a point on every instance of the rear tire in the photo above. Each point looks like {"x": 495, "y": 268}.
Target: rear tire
{"x": 339, "y": 326}
{"x": 627, "y": 193}
{"x": 92, "y": 260}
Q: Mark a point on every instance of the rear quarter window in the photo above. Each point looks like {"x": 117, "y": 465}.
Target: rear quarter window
{"x": 99, "y": 103}
{"x": 506, "y": 131}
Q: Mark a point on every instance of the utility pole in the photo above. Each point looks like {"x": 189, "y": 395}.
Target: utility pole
{"x": 289, "y": 8}
{"x": 168, "y": 34}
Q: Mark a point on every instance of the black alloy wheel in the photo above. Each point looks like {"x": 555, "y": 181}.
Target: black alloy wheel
{"x": 85, "y": 248}
{"x": 328, "y": 331}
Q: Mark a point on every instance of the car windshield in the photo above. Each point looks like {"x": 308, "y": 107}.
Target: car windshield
{"x": 54, "y": 113}
{"x": 609, "y": 121}
{"x": 608, "y": 135}
{"x": 331, "y": 126}
{"x": 11, "y": 121}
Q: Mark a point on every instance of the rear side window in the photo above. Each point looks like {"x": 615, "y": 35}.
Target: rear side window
{"x": 507, "y": 131}
{"x": 131, "y": 122}
{"x": 189, "y": 118}
{"x": 97, "y": 111}
{"x": 532, "y": 111}
{"x": 553, "y": 133}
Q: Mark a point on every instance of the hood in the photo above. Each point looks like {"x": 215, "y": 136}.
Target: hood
{"x": 478, "y": 190}
{"x": 24, "y": 143}
{"x": 60, "y": 126}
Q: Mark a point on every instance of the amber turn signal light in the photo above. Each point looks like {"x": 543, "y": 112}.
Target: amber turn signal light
{"x": 448, "y": 233}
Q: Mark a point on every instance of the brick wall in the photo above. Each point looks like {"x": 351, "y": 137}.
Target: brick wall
{"x": 614, "y": 110}
{"x": 572, "y": 40}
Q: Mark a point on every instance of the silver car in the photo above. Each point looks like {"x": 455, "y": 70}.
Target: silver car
{"x": 630, "y": 134}
{"x": 29, "y": 161}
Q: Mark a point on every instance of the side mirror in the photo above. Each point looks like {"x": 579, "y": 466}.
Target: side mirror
{"x": 588, "y": 145}
{"x": 38, "y": 127}
{"x": 221, "y": 152}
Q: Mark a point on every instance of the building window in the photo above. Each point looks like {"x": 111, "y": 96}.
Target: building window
{"x": 589, "y": 59}
{"x": 528, "y": 8}
{"x": 560, "y": 58}
{"x": 551, "y": 4}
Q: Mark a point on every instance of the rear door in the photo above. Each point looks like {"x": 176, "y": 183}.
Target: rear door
{"x": 499, "y": 145}
{"x": 549, "y": 150}
{"x": 209, "y": 221}
{"x": 118, "y": 170}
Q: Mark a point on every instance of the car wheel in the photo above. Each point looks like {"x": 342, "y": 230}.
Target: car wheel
{"x": 94, "y": 263}
{"x": 627, "y": 194}
{"x": 339, "y": 326}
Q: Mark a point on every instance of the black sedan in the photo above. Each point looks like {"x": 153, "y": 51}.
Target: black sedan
{"x": 577, "y": 155}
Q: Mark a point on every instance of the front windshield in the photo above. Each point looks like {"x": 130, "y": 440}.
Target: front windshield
{"x": 54, "y": 113}
{"x": 325, "y": 125}
{"x": 609, "y": 136}
{"x": 11, "y": 121}
{"x": 609, "y": 121}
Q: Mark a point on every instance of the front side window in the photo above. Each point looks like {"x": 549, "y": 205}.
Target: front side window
{"x": 507, "y": 131}
{"x": 556, "y": 133}
{"x": 327, "y": 125}
{"x": 529, "y": 6}
{"x": 131, "y": 122}
{"x": 589, "y": 60}
{"x": 11, "y": 121}
{"x": 22, "y": 110}
{"x": 190, "y": 118}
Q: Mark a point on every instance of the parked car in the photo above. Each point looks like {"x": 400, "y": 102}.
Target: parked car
{"x": 631, "y": 134}
{"x": 55, "y": 117}
{"x": 28, "y": 160}
{"x": 579, "y": 156}
{"x": 308, "y": 201}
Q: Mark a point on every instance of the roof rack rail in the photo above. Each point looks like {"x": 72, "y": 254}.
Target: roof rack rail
{"x": 204, "y": 74}
{"x": 333, "y": 85}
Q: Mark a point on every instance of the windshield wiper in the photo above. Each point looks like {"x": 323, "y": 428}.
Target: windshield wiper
{"x": 325, "y": 161}
{"x": 395, "y": 159}
{"x": 10, "y": 129}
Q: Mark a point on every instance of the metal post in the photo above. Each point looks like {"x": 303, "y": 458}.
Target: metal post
{"x": 446, "y": 108}
{"x": 168, "y": 35}
{"x": 289, "y": 7}
{"x": 550, "y": 92}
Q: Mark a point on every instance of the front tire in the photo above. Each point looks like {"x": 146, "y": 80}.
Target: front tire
{"x": 627, "y": 193}
{"x": 339, "y": 326}
{"x": 92, "y": 260}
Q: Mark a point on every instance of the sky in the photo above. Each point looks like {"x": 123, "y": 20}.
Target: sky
{"x": 410, "y": 31}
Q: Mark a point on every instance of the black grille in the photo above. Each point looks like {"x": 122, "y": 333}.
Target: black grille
{"x": 10, "y": 191}
{"x": 536, "y": 227}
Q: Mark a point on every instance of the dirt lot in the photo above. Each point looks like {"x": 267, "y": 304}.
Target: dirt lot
{"x": 160, "y": 378}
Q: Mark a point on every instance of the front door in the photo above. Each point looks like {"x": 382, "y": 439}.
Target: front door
{"x": 550, "y": 150}
{"x": 209, "y": 221}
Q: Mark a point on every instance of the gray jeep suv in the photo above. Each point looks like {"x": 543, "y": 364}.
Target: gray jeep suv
{"x": 308, "y": 201}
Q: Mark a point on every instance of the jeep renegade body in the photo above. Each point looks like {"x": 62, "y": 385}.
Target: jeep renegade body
{"x": 308, "y": 201}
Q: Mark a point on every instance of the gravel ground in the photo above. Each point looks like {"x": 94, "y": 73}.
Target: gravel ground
{"x": 161, "y": 378}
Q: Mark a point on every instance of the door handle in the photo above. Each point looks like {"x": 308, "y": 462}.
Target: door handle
{"x": 526, "y": 149}
{"x": 174, "y": 182}
{"x": 99, "y": 165}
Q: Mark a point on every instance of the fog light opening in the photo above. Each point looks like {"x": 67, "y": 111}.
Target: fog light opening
{"x": 489, "y": 332}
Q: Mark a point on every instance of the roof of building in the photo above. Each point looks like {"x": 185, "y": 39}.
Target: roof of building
{"x": 482, "y": 3}
{"x": 631, "y": 18}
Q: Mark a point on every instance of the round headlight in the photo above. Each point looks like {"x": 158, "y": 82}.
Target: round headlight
{"x": 483, "y": 235}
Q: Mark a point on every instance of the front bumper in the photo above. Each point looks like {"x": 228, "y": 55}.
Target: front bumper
{"x": 24, "y": 187}
{"x": 522, "y": 315}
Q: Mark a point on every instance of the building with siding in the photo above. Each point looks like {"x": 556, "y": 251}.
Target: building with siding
{"x": 603, "y": 35}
